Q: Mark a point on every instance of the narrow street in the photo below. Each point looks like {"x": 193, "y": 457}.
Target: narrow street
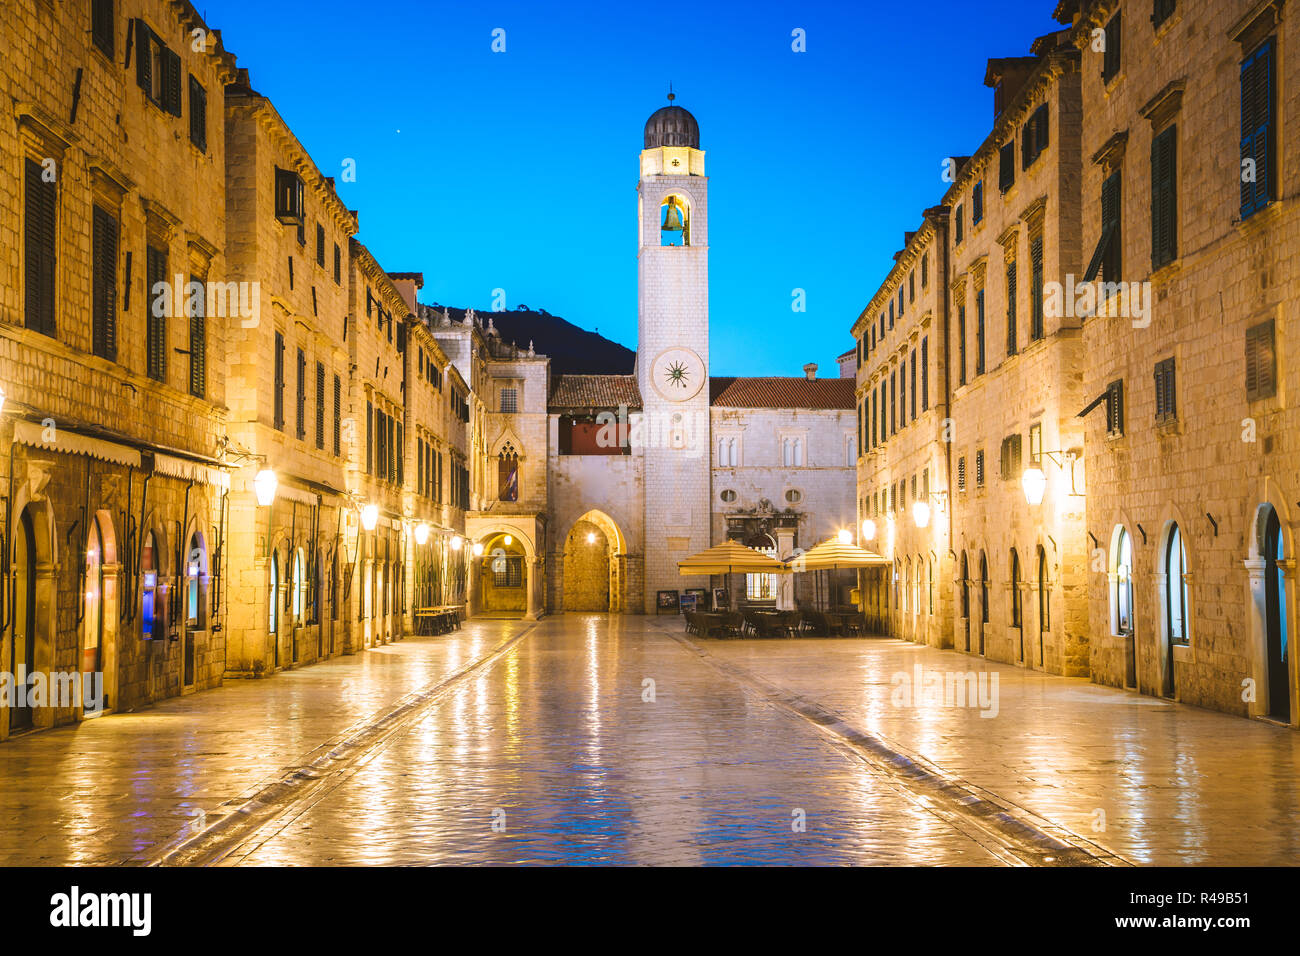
{"x": 510, "y": 742}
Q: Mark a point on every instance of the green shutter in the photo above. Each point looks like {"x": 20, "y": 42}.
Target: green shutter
{"x": 41, "y": 209}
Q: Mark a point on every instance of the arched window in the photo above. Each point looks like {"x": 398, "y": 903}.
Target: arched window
{"x": 930, "y": 584}
{"x": 148, "y": 587}
{"x": 1044, "y": 595}
{"x": 1122, "y": 592}
{"x": 984, "y": 588}
{"x": 193, "y": 581}
{"x": 93, "y": 647}
{"x": 916, "y": 585}
{"x": 674, "y": 222}
{"x": 1015, "y": 589}
{"x": 274, "y": 602}
{"x": 508, "y": 473}
{"x": 965, "y": 587}
{"x": 1176, "y": 589}
{"x": 298, "y": 586}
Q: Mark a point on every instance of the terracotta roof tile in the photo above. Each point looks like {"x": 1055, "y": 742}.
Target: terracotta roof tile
{"x": 819, "y": 393}
{"x": 594, "y": 391}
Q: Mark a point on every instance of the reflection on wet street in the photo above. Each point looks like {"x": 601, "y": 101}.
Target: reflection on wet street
{"x": 593, "y": 739}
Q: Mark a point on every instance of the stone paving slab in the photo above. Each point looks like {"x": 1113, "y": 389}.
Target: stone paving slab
{"x": 106, "y": 790}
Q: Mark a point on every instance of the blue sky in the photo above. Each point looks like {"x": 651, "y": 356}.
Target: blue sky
{"x": 518, "y": 170}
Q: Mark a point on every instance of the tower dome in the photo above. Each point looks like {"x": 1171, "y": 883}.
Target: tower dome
{"x": 672, "y": 126}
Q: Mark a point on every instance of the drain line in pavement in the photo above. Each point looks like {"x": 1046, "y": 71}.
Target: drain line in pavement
{"x": 1025, "y": 836}
{"x": 235, "y": 822}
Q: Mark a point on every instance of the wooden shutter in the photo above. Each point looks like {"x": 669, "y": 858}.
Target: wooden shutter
{"x": 1257, "y": 127}
{"x": 925, "y": 373}
{"x": 198, "y": 354}
{"x": 1115, "y": 408}
{"x": 104, "y": 284}
{"x": 1261, "y": 364}
{"x": 301, "y": 394}
{"x": 144, "y": 57}
{"x": 1006, "y": 166}
{"x": 1040, "y": 129}
{"x": 171, "y": 87}
{"x": 1036, "y": 289}
{"x": 1011, "y": 309}
{"x": 279, "y": 381}
{"x": 41, "y": 210}
{"x": 399, "y": 450}
{"x": 370, "y": 439}
{"x": 961, "y": 474}
{"x": 338, "y": 416}
{"x": 102, "y": 26}
{"x": 320, "y": 406}
{"x": 1111, "y": 58}
{"x": 320, "y": 245}
{"x": 198, "y": 115}
{"x": 1164, "y": 198}
{"x": 156, "y": 323}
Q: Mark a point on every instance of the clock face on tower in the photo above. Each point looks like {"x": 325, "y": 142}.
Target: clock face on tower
{"x": 678, "y": 374}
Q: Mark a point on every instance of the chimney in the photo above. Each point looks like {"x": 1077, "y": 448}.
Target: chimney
{"x": 810, "y": 370}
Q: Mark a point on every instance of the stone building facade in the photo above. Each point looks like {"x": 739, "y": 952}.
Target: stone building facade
{"x": 904, "y": 501}
{"x": 1192, "y": 485}
{"x": 112, "y": 185}
{"x": 1140, "y": 210}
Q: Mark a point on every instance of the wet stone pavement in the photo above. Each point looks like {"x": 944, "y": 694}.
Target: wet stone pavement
{"x": 510, "y": 742}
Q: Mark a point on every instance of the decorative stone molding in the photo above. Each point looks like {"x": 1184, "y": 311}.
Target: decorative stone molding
{"x": 1258, "y": 23}
{"x": 1165, "y": 105}
{"x": 1111, "y": 154}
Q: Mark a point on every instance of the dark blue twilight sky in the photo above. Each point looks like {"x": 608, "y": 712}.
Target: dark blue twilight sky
{"x": 518, "y": 170}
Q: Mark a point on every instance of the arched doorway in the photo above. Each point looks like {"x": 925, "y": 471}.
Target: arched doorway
{"x": 22, "y": 648}
{"x": 1044, "y": 606}
{"x": 1121, "y": 601}
{"x": 592, "y": 574}
{"x": 1017, "y": 611}
{"x": 984, "y": 598}
{"x": 761, "y": 588}
{"x": 99, "y": 617}
{"x": 503, "y": 575}
{"x": 1276, "y": 636}
{"x": 273, "y": 607}
{"x": 196, "y": 578}
{"x": 965, "y": 598}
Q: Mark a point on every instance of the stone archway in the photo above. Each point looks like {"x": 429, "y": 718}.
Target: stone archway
{"x": 28, "y": 644}
{"x": 595, "y": 565}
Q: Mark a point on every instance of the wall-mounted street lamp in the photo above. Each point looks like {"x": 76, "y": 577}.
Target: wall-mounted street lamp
{"x": 921, "y": 513}
{"x": 369, "y": 517}
{"x": 845, "y": 536}
{"x": 591, "y": 537}
{"x": 264, "y": 486}
{"x": 868, "y": 530}
{"x": 421, "y": 533}
{"x": 508, "y": 540}
{"x": 456, "y": 542}
{"x": 2, "y": 400}
{"x": 1034, "y": 482}
{"x": 478, "y": 549}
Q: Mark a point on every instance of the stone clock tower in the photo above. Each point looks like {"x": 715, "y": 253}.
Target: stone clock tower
{"x": 673, "y": 346}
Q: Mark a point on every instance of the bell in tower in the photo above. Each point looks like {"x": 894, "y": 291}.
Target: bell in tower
{"x": 675, "y": 230}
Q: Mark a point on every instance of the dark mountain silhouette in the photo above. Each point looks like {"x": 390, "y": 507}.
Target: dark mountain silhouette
{"x": 572, "y": 351}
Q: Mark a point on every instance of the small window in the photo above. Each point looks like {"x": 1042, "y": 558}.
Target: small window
{"x": 1258, "y": 130}
{"x": 1010, "y": 458}
{"x": 288, "y": 197}
{"x": 1162, "y": 11}
{"x": 509, "y": 401}
{"x": 793, "y": 496}
{"x": 1261, "y": 362}
{"x": 961, "y": 474}
{"x": 1166, "y": 399}
{"x": 728, "y": 496}
{"x": 1176, "y": 589}
{"x": 1111, "y": 57}
{"x": 149, "y": 607}
{"x": 198, "y": 115}
{"x": 979, "y": 468}
{"x": 102, "y": 26}
{"x": 508, "y": 572}
{"x": 338, "y": 265}
{"x": 977, "y": 203}
{"x": 320, "y": 245}
{"x": 1122, "y": 596}
{"x": 958, "y": 218}
{"x": 1007, "y": 165}
{"x": 1115, "y": 409}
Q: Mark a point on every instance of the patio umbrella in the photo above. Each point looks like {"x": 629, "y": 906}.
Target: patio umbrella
{"x": 730, "y": 557}
{"x": 835, "y": 555}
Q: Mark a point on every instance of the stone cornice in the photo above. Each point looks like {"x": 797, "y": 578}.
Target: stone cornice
{"x": 1165, "y": 105}
{"x": 1010, "y": 241}
{"x": 1258, "y": 22}
{"x": 1111, "y": 153}
{"x": 1034, "y": 214}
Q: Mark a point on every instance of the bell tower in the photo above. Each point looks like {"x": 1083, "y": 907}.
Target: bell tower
{"x": 673, "y": 346}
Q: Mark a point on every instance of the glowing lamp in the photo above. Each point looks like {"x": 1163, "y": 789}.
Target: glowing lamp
{"x": 921, "y": 513}
{"x": 508, "y": 540}
{"x": 264, "y": 486}
{"x": 478, "y": 549}
{"x": 845, "y": 536}
{"x": 868, "y": 530}
{"x": 456, "y": 542}
{"x": 370, "y": 517}
{"x": 1035, "y": 483}
{"x": 421, "y": 533}
{"x": 2, "y": 399}
{"x": 591, "y": 537}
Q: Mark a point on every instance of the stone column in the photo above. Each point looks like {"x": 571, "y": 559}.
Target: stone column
{"x": 534, "y": 589}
